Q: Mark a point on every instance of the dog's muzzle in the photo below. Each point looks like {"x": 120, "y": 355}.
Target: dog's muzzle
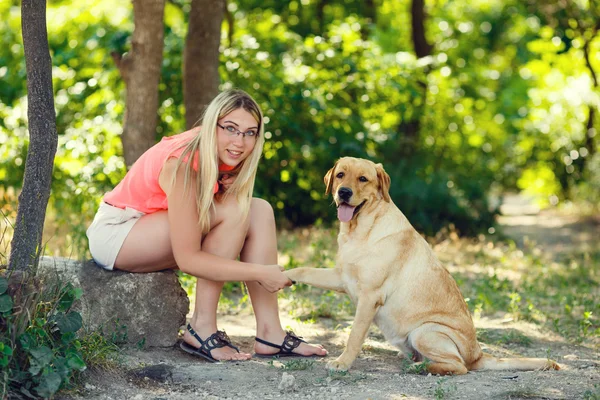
{"x": 344, "y": 194}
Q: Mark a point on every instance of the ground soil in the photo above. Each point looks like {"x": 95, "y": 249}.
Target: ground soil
{"x": 378, "y": 373}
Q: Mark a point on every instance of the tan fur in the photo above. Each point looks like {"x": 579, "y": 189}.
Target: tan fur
{"x": 396, "y": 281}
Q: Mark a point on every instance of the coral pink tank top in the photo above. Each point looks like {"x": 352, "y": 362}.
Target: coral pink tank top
{"x": 140, "y": 189}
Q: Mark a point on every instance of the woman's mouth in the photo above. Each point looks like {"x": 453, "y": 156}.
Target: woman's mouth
{"x": 234, "y": 154}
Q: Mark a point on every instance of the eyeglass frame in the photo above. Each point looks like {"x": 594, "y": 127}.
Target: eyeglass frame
{"x": 237, "y": 131}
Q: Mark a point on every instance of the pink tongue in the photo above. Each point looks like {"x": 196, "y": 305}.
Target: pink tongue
{"x": 345, "y": 212}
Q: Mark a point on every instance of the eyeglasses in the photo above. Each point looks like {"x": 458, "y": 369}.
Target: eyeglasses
{"x": 233, "y": 131}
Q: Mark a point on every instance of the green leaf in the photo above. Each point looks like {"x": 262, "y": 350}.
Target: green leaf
{"x": 76, "y": 362}
{"x": 70, "y": 322}
{"x": 27, "y": 341}
{"x": 27, "y": 393}
{"x": 42, "y": 355}
{"x": 68, "y": 338}
{"x": 77, "y": 293}
{"x": 34, "y": 367}
{"x": 6, "y": 303}
{"x": 61, "y": 367}
{"x": 3, "y": 285}
{"x": 49, "y": 384}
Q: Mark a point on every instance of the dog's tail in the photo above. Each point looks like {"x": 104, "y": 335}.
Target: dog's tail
{"x": 519, "y": 364}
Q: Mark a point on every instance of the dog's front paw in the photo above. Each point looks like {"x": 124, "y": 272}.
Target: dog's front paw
{"x": 292, "y": 274}
{"x": 338, "y": 365}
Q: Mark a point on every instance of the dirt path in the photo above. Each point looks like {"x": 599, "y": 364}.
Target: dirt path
{"x": 556, "y": 232}
{"x": 378, "y": 373}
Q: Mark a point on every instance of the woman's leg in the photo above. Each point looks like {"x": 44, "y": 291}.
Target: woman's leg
{"x": 225, "y": 239}
{"x": 261, "y": 247}
{"x": 147, "y": 248}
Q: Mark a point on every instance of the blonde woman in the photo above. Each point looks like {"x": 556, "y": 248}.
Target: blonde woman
{"x": 187, "y": 203}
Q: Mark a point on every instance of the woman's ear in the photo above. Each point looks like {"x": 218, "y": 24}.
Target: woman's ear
{"x": 329, "y": 179}
{"x": 384, "y": 182}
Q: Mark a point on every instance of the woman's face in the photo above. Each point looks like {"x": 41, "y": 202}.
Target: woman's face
{"x": 233, "y": 146}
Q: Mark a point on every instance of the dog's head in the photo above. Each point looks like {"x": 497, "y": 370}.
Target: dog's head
{"x": 356, "y": 184}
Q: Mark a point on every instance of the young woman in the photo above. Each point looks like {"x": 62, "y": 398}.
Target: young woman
{"x": 187, "y": 203}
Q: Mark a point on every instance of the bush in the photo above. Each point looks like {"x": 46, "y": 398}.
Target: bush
{"x": 40, "y": 351}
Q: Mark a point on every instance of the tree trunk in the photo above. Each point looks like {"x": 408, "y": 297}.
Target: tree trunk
{"x": 370, "y": 13}
{"x": 409, "y": 130}
{"x": 140, "y": 69}
{"x": 27, "y": 240}
{"x": 201, "y": 57}
{"x": 417, "y": 11}
{"x": 589, "y": 142}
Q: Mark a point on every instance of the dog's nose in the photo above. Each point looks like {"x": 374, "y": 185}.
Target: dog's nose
{"x": 344, "y": 193}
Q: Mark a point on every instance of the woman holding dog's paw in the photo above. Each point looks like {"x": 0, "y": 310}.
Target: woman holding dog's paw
{"x": 187, "y": 203}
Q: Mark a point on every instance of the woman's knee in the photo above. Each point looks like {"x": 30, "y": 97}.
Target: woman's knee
{"x": 261, "y": 210}
{"x": 228, "y": 209}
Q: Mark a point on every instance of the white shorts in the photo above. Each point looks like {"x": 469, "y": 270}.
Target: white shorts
{"x": 108, "y": 232}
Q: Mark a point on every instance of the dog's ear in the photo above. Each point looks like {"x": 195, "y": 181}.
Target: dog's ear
{"x": 384, "y": 182}
{"x": 329, "y": 179}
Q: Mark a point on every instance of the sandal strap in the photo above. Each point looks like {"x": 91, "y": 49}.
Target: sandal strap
{"x": 215, "y": 341}
{"x": 290, "y": 342}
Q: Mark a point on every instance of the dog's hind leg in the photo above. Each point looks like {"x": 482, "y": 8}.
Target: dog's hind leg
{"x": 439, "y": 350}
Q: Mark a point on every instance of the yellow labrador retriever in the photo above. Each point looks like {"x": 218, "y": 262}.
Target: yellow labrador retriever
{"x": 395, "y": 280}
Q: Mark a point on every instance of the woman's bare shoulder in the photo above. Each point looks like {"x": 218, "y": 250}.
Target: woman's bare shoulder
{"x": 168, "y": 172}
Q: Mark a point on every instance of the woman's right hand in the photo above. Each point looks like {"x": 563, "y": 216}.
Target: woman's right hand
{"x": 272, "y": 279}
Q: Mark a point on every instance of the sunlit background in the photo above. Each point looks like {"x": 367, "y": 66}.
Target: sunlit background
{"x": 501, "y": 104}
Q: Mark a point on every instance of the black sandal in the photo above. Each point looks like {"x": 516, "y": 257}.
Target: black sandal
{"x": 290, "y": 342}
{"x": 215, "y": 341}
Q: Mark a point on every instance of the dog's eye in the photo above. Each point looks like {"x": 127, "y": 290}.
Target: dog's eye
{"x": 340, "y": 175}
{"x": 363, "y": 179}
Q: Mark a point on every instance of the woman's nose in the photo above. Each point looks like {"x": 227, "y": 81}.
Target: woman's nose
{"x": 238, "y": 140}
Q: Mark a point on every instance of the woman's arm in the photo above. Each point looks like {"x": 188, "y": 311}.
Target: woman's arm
{"x": 186, "y": 239}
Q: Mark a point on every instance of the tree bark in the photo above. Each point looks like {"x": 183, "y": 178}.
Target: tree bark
{"x": 422, "y": 47}
{"x": 201, "y": 57}
{"x": 370, "y": 13}
{"x": 589, "y": 142}
{"x": 408, "y": 143}
{"x": 26, "y": 244}
{"x": 140, "y": 69}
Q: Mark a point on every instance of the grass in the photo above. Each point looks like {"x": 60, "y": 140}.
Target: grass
{"x": 416, "y": 368}
{"x": 341, "y": 376}
{"x": 293, "y": 365}
{"x": 592, "y": 394}
{"x": 503, "y": 337}
{"x": 497, "y": 279}
{"x": 43, "y": 345}
{"x": 442, "y": 390}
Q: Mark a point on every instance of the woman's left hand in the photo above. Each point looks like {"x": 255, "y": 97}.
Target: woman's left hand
{"x": 225, "y": 181}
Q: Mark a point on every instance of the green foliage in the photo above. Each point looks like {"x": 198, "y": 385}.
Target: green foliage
{"x": 40, "y": 352}
{"x": 295, "y": 365}
{"x": 592, "y": 394}
{"x": 560, "y": 295}
{"x": 417, "y": 368}
{"x": 501, "y": 103}
{"x": 503, "y": 337}
{"x": 442, "y": 390}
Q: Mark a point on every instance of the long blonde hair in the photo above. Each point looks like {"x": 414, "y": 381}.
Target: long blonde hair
{"x": 204, "y": 149}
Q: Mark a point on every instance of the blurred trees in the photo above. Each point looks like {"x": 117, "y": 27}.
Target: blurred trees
{"x": 576, "y": 25}
{"x": 496, "y": 95}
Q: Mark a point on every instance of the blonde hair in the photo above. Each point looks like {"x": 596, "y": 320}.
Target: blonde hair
{"x": 204, "y": 149}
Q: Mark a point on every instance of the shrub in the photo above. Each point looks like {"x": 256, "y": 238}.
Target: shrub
{"x": 40, "y": 351}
